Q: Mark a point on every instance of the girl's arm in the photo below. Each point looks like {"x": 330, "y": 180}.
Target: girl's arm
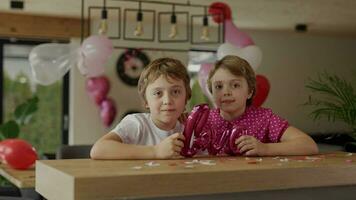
{"x": 110, "y": 146}
{"x": 292, "y": 142}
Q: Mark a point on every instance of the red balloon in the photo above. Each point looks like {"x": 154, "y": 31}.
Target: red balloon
{"x": 220, "y": 11}
{"x": 262, "y": 90}
{"x": 17, "y": 153}
{"x": 107, "y": 111}
{"x": 98, "y": 88}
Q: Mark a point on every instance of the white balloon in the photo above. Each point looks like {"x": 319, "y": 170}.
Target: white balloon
{"x": 51, "y": 61}
{"x": 252, "y": 53}
{"x": 197, "y": 57}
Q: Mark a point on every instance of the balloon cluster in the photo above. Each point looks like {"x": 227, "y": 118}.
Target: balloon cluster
{"x": 50, "y": 62}
{"x": 237, "y": 43}
{"x": 215, "y": 141}
{"x": 98, "y": 88}
{"x": 17, "y": 153}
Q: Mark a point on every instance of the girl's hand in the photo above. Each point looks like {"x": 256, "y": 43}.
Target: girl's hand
{"x": 170, "y": 147}
{"x": 250, "y": 146}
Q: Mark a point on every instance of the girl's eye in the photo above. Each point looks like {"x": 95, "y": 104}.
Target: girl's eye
{"x": 218, "y": 86}
{"x": 236, "y": 85}
{"x": 176, "y": 92}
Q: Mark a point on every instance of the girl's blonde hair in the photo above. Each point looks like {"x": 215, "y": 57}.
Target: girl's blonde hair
{"x": 238, "y": 67}
{"x": 168, "y": 67}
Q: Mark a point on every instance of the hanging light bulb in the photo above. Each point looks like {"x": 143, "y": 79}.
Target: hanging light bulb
{"x": 174, "y": 30}
{"x": 205, "y": 31}
{"x": 139, "y": 27}
{"x": 103, "y": 27}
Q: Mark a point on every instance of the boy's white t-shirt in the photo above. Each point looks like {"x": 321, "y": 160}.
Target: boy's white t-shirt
{"x": 139, "y": 129}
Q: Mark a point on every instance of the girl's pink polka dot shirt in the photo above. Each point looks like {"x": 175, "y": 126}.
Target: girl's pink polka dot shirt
{"x": 259, "y": 122}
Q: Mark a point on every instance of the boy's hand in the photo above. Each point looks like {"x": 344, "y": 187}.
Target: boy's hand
{"x": 250, "y": 146}
{"x": 170, "y": 147}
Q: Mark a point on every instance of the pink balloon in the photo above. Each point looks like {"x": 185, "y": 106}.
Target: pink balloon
{"x": 235, "y": 36}
{"x": 107, "y": 111}
{"x": 98, "y": 88}
{"x": 203, "y": 75}
{"x": 95, "y": 52}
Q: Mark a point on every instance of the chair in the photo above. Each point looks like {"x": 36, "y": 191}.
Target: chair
{"x": 73, "y": 151}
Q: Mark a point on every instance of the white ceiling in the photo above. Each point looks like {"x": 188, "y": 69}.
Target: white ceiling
{"x": 335, "y": 17}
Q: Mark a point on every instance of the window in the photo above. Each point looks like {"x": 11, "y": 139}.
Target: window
{"x": 48, "y": 128}
{"x": 198, "y": 58}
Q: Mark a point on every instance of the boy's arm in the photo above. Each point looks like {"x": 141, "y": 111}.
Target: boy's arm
{"x": 110, "y": 146}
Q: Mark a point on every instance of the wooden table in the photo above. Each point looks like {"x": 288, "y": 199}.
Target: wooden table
{"x": 20, "y": 178}
{"x": 112, "y": 179}
{"x": 23, "y": 179}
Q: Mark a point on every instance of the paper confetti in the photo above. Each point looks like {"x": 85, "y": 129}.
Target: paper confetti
{"x": 137, "y": 167}
{"x": 207, "y": 162}
{"x": 152, "y": 164}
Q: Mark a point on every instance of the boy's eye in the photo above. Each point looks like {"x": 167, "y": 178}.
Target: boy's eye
{"x": 157, "y": 93}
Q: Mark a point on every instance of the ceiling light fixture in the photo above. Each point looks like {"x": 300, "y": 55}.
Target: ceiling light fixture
{"x": 103, "y": 28}
{"x": 205, "y": 31}
{"x": 139, "y": 27}
{"x": 174, "y": 30}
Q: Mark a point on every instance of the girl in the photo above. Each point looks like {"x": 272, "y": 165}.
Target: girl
{"x": 164, "y": 88}
{"x": 232, "y": 83}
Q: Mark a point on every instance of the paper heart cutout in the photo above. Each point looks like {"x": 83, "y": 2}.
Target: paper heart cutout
{"x": 252, "y": 54}
{"x": 98, "y": 88}
{"x": 262, "y": 90}
{"x": 107, "y": 111}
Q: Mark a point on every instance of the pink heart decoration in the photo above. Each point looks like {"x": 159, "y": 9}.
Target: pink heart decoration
{"x": 262, "y": 90}
{"x": 107, "y": 111}
{"x": 98, "y": 88}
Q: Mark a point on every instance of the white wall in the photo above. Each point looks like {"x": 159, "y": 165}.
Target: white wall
{"x": 289, "y": 59}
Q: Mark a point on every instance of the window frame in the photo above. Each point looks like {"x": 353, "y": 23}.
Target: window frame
{"x": 65, "y": 86}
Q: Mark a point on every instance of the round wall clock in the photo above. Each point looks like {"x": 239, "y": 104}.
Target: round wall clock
{"x": 130, "y": 65}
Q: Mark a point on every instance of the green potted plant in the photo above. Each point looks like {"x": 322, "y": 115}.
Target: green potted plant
{"x": 11, "y": 128}
{"x": 334, "y": 98}
{"x": 22, "y": 116}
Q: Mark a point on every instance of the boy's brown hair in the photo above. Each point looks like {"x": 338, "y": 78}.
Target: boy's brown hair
{"x": 238, "y": 67}
{"x": 168, "y": 67}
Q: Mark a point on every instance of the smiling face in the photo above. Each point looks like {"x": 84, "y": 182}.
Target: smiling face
{"x": 166, "y": 99}
{"x": 230, "y": 93}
